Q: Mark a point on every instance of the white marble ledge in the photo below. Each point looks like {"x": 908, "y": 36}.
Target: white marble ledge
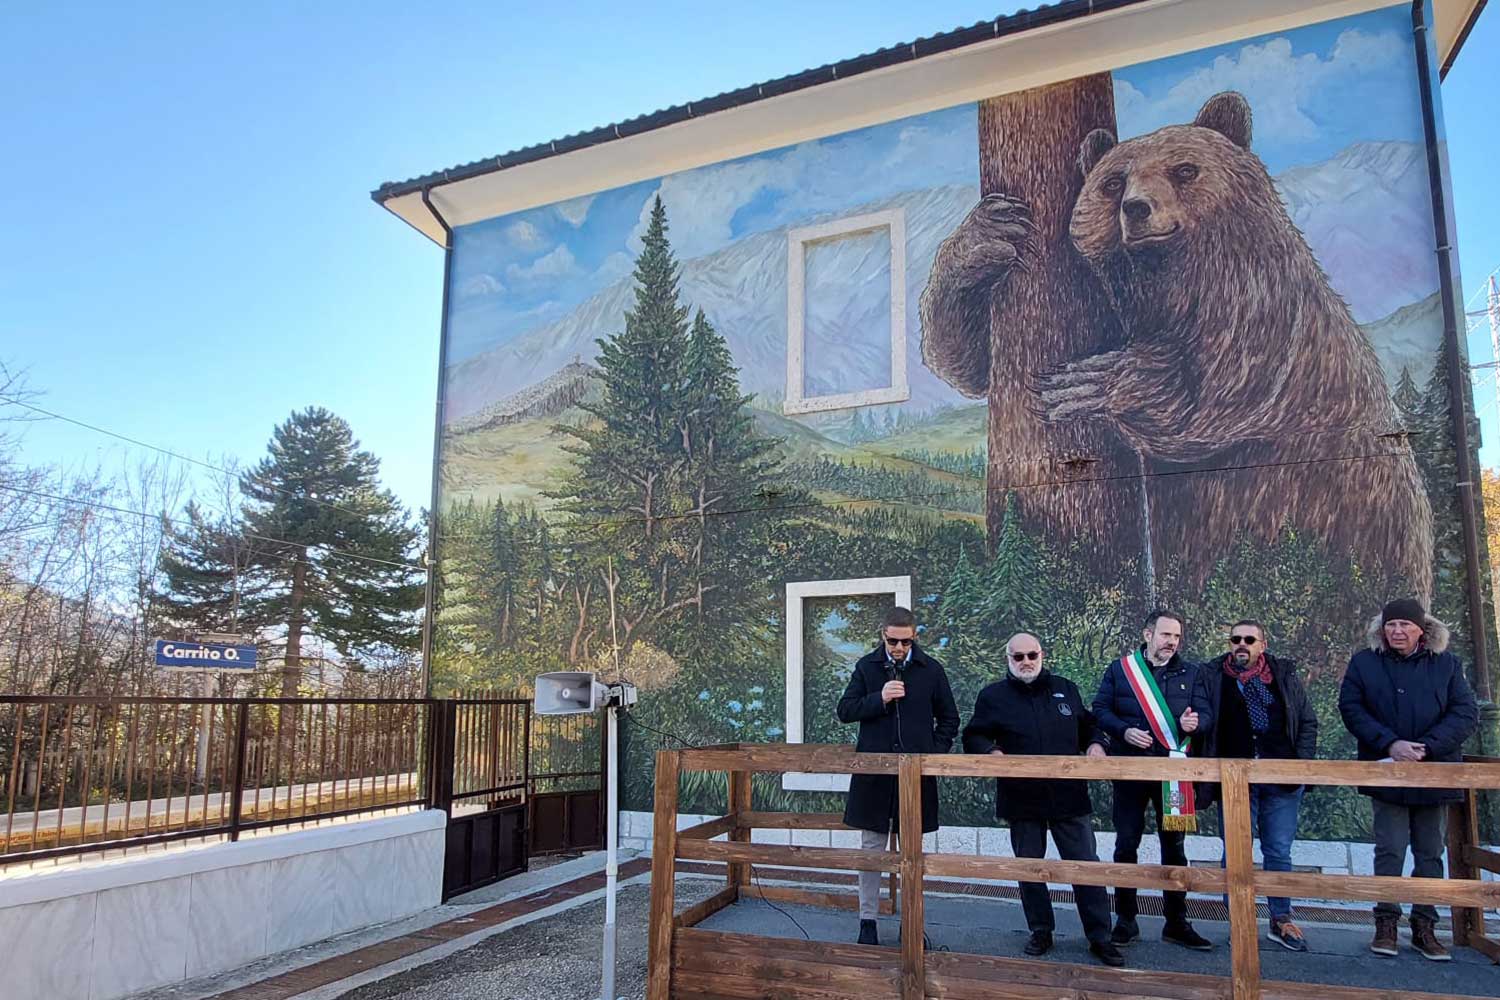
{"x": 134, "y": 870}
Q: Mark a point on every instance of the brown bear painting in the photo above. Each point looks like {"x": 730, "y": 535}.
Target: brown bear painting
{"x": 1231, "y": 371}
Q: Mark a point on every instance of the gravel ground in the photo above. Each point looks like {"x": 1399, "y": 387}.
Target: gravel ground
{"x": 555, "y": 958}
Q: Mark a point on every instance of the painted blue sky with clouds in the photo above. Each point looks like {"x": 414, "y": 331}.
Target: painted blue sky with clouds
{"x": 1313, "y": 91}
{"x": 518, "y": 272}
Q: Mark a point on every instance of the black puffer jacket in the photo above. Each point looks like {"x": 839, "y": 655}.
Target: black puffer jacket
{"x": 1424, "y": 698}
{"x": 925, "y": 721}
{"x": 1116, "y": 708}
{"x": 1046, "y": 716}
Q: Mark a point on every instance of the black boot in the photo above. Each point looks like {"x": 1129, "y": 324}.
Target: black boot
{"x": 1040, "y": 943}
{"x": 867, "y": 932}
{"x": 1184, "y": 935}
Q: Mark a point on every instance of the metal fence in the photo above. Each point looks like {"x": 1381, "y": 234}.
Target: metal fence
{"x": 88, "y": 774}
{"x": 80, "y": 775}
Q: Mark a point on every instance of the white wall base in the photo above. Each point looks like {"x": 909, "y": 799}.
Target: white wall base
{"x": 107, "y": 930}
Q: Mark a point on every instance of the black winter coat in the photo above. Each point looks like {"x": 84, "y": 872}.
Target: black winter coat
{"x": 1046, "y": 716}
{"x": 1301, "y": 719}
{"x": 1424, "y": 698}
{"x": 925, "y": 721}
{"x": 1116, "y": 708}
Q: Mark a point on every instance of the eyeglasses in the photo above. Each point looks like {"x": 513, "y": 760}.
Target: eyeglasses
{"x": 1248, "y": 640}
{"x": 1032, "y": 655}
{"x": 898, "y": 642}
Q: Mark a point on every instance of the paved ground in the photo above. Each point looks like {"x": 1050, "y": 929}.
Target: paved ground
{"x": 555, "y": 958}
{"x": 1339, "y": 953}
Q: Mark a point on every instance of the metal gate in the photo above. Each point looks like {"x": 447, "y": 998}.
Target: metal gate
{"x": 481, "y": 746}
{"x": 565, "y": 783}
{"x": 513, "y": 785}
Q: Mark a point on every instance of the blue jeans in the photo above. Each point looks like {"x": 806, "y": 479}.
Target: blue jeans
{"x": 1273, "y": 818}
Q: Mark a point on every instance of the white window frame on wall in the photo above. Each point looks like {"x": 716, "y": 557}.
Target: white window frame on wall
{"x": 796, "y": 302}
{"x": 796, "y": 594}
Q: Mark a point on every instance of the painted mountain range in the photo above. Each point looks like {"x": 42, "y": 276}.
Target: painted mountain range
{"x": 1360, "y": 212}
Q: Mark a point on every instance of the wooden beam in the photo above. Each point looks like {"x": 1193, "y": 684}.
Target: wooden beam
{"x": 706, "y": 908}
{"x": 696, "y": 942}
{"x": 1244, "y": 939}
{"x": 663, "y": 876}
{"x": 1173, "y": 877}
{"x": 707, "y": 830}
{"x": 954, "y": 974}
{"x": 1080, "y": 768}
{"x": 1393, "y": 775}
{"x": 1460, "y": 836}
{"x": 1480, "y": 857}
{"x": 739, "y": 808}
{"x": 839, "y": 859}
{"x": 790, "y": 757}
{"x": 793, "y": 821}
{"x": 1390, "y": 888}
{"x": 913, "y": 919}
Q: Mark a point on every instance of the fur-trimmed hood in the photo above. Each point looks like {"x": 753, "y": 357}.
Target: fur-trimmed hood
{"x": 1434, "y": 633}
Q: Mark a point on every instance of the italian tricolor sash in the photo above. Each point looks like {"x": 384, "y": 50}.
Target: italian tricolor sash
{"x": 1176, "y": 796}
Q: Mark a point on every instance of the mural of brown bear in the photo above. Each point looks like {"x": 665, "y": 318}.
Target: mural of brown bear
{"x": 1243, "y": 384}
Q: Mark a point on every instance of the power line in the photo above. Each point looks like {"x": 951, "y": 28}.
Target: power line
{"x": 100, "y": 505}
{"x": 169, "y": 452}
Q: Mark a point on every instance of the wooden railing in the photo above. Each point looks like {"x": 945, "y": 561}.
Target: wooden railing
{"x": 689, "y": 962}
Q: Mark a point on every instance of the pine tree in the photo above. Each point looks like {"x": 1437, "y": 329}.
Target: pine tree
{"x": 1014, "y": 584}
{"x": 204, "y": 569}
{"x": 1437, "y": 459}
{"x": 334, "y": 551}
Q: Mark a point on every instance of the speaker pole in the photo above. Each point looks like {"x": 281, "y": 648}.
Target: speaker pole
{"x": 611, "y": 864}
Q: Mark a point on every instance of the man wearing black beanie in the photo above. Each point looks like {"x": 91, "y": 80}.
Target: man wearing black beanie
{"x": 1405, "y": 698}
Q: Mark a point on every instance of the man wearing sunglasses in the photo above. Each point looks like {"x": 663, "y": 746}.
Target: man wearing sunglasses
{"x": 1261, "y": 710}
{"x": 1033, "y": 711}
{"x": 901, "y": 699}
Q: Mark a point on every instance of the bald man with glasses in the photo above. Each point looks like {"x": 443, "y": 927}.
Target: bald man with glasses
{"x": 1035, "y": 712}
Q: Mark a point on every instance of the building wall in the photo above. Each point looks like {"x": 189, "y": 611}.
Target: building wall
{"x": 921, "y": 361}
{"x": 119, "y": 927}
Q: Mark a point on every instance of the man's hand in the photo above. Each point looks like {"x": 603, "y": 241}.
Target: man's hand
{"x": 997, "y": 752}
{"x": 1095, "y": 750}
{"x": 892, "y": 691}
{"x": 1406, "y": 750}
{"x": 1189, "y": 720}
{"x": 1139, "y": 738}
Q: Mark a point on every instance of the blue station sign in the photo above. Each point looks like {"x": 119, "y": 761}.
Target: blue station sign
{"x": 174, "y": 654}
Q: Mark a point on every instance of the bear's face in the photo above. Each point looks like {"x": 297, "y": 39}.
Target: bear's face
{"x": 1151, "y": 197}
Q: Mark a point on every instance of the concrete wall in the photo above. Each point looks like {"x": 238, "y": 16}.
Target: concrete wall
{"x": 111, "y": 929}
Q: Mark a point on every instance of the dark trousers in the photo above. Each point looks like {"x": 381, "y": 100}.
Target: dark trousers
{"x": 1131, "y": 800}
{"x": 1396, "y": 827}
{"x": 1075, "y": 842}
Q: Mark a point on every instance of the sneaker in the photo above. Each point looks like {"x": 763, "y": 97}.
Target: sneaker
{"x": 1040, "y": 943}
{"x": 1286, "y": 934}
{"x": 1424, "y": 940}
{"x": 1124, "y": 933}
{"x": 867, "y": 932}
{"x": 1385, "y": 935}
{"x": 1107, "y": 953}
{"x": 1184, "y": 935}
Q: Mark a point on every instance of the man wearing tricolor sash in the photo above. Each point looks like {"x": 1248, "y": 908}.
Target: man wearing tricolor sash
{"x": 1152, "y": 702}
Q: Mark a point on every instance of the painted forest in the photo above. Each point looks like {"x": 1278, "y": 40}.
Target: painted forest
{"x": 670, "y": 532}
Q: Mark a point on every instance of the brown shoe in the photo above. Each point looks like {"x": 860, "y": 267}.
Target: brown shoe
{"x": 1385, "y": 935}
{"x": 1424, "y": 939}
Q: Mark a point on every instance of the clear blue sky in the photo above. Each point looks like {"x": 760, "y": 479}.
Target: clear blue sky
{"x": 189, "y": 248}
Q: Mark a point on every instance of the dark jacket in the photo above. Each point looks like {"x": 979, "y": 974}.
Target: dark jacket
{"x": 925, "y": 721}
{"x": 1424, "y": 698}
{"x": 1116, "y": 708}
{"x": 1046, "y": 716}
{"x": 1301, "y": 719}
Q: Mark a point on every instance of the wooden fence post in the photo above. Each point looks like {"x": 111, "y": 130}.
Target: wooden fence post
{"x": 663, "y": 874}
{"x": 913, "y": 958}
{"x": 739, "y": 805}
{"x": 1463, "y": 832}
{"x": 1244, "y": 942}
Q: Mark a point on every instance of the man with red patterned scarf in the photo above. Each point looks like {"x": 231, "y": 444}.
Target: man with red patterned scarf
{"x": 1261, "y": 710}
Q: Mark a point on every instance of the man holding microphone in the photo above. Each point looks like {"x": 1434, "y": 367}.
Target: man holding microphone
{"x": 901, "y": 699}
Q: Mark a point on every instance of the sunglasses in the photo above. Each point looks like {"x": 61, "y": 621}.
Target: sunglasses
{"x": 1248, "y": 640}
{"x": 1018, "y": 657}
{"x": 898, "y": 642}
